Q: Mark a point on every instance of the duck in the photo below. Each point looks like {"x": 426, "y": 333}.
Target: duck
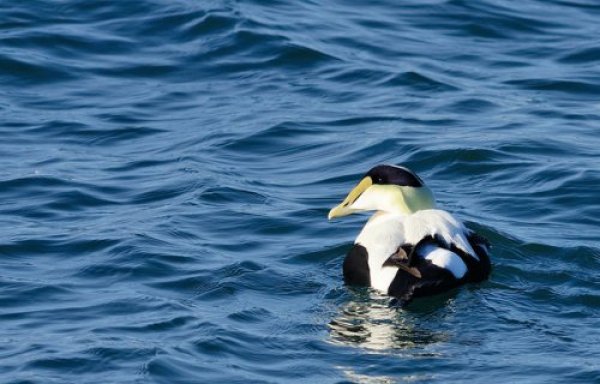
{"x": 408, "y": 248}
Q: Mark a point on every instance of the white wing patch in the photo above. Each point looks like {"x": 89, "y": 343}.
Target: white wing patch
{"x": 443, "y": 258}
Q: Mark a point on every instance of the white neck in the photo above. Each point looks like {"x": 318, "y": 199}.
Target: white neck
{"x": 380, "y": 237}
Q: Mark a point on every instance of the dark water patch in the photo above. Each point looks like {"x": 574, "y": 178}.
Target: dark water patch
{"x": 33, "y": 183}
{"x": 319, "y": 256}
{"x": 358, "y": 121}
{"x": 296, "y": 56}
{"x": 470, "y": 162}
{"x": 97, "y": 361}
{"x": 138, "y": 70}
{"x": 192, "y": 284}
{"x": 73, "y": 365}
{"x": 363, "y": 76}
{"x": 123, "y": 118}
{"x": 583, "y": 88}
{"x": 23, "y": 71}
{"x": 505, "y": 18}
{"x": 290, "y": 56}
{"x": 473, "y": 105}
{"x": 566, "y": 115}
{"x": 63, "y": 201}
{"x": 137, "y": 166}
{"x": 175, "y": 20}
{"x": 486, "y": 21}
{"x": 53, "y": 197}
{"x": 23, "y": 293}
{"x": 586, "y": 5}
{"x": 161, "y": 194}
{"x": 514, "y": 63}
{"x": 34, "y": 247}
{"x": 253, "y": 315}
{"x": 419, "y": 82}
{"x": 209, "y": 24}
{"x": 243, "y": 43}
{"x": 276, "y": 283}
{"x": 157, "y": 326}
{"x": 207, "y": 281}
{"x": 143, "y": 266}
{"x": 282, "y": 137}
{"x": 484, "y": 31}
{"x": 59, "y": 43}
{"x": 585, "y": 258}
{"x": 73, "y": 132}
{"x": 546, "y": 146}
{"x": 101, "y": 11}
{"x": 221, "y": 195}
{"x": 581, "y": 56}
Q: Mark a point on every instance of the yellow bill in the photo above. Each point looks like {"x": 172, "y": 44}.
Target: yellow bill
{"x": 344, "y": 208}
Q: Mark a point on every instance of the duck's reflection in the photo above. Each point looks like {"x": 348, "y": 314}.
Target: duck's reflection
{"x": 373, "y": 323}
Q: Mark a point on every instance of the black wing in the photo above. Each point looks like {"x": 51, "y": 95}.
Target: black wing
{"x": 433, "y": 280}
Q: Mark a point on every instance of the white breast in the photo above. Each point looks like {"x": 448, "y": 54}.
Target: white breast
{"x": 381, "y": 236}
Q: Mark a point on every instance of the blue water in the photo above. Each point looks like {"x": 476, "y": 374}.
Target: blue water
{"x": 167, "y": 169}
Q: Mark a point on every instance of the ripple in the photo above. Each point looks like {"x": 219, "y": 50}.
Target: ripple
{"x": 47, "y": 246}
{"x": 419, "y": 82}
{"x": 566, "y": 86}
{"x": 19, "y": 293}
{"x": 224, "y": 195}
{"x": 253, "y": 315}
{"x": 581, "y": 56}
{"x": 22, "y": 72}
{"x": 208, "y": 24}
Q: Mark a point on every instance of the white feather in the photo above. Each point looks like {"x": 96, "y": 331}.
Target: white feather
{"x": 437, "y": 222}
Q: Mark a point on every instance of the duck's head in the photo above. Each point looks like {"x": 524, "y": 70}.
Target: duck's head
{"x": 387, "y": 188}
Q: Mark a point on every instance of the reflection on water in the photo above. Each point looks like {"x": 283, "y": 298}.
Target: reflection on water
{"x": 372, "y": 323}
{"x": 366, "y": 379}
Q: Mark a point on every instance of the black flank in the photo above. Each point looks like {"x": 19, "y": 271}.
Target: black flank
{"x": 480, "y": 245}
{"x": 433, "y": 280}
{"x": 356, "y": 267}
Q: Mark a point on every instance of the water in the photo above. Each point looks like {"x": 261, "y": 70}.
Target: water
{"x": 167, "y": 168}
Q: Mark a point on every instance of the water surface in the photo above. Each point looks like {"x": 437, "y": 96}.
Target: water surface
{"x": 168, "y": 167}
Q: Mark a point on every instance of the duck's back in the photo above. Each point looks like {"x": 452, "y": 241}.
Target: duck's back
{"x": 453, "y": 256}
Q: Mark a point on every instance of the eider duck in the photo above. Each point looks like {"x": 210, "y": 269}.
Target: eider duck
{"x": 408, "y": 248}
